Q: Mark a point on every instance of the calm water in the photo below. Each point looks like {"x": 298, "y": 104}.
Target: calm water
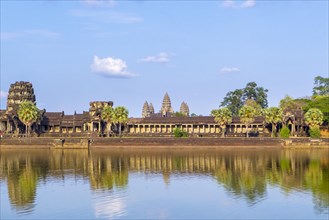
{"x": 219, "y": 184}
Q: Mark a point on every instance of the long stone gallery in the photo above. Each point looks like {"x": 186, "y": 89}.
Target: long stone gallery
{"x": 151, "y": 124}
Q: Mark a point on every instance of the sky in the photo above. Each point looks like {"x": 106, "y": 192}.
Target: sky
{"x": 129, "y": 52}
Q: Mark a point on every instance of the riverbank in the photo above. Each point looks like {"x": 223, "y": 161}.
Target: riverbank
{"x": 162, "y": 142}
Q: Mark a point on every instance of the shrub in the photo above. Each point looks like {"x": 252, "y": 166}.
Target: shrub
{"x": 285, "y": 132}
{"x": 315, "y": 132}
{"x": 179, "y": 133}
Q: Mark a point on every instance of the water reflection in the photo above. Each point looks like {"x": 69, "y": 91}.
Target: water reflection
{"x": 243, "y": 173}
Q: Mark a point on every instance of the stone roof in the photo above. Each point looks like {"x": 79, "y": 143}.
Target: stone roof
{"x": 52, "y": 118}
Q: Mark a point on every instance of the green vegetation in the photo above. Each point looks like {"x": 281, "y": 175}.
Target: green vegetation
{"x": 223, "y": 117}
{"x": 285, "y": 132}
{"x": 321, "y": 103}
{"x": 179, "y": 133}
{"x": 179, "y": 114}
{"x": 273, "y": 116}
{"x": 247, "y": 116}
{"x": 234, "y": 100}
{"x": 252, "y": 103}
{"x": 315, "y": 132}
{"x": 120, "y": 116}
{"x": 321, "y": 86}
{"x": 313, "y": 117}
{"x": 288, "y": 104}
{"x": 28, "y": 113}
{"x": 107, "y": 116}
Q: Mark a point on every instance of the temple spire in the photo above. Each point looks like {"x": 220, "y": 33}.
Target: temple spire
{"x": 166, "y": 106}
{"x": 146, "y": 110}
{"x": 184, "y": 109}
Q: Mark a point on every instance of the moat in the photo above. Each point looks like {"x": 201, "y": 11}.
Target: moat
{"x": 166, "y": 183}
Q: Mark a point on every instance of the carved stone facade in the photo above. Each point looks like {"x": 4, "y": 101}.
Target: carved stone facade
{"x": 18, "y": 93}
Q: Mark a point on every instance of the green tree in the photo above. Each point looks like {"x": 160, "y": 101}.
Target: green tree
{"x": 288, "y": 104}
{"x": 321, "y": 103}
{"x": 223, "y": 117}
{"x": 247, "y": 116}
{"x": 273, "y": 116}
{"x": 234, "y": 100}
{"x": 321, "y": 86}
{"x": 255, "y": 105}
{"x": 285, "y": 132}
{"x": 180, "y": 133}
{"x": 313, "y": 117}
{"x": 259, "y": 94}
{"x": 28, "y": 113}
{"x": 120, "y": 116}
{"x": 107, "y": 116}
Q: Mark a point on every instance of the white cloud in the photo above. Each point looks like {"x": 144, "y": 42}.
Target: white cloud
{"x": 3, "y": 94}
{"x": 235, "y": 4}
{"x": 110, "y": 67}
{"x": 160, "y": 58}
{"x": 106, "y": 16}
{"x": 229, "y": 70}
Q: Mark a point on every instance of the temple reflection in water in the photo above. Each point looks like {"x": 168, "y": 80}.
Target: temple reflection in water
{"x": 242, "y": 173}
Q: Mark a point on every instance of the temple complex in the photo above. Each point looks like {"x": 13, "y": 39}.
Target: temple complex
{"x": 163, "y": 123}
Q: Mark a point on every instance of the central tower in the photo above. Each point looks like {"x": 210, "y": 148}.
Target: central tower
{"x": 166, "y": 106}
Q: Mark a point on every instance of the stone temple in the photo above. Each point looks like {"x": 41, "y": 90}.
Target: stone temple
{"x": 165, "y": 111}
{"x": 90, "y": 123}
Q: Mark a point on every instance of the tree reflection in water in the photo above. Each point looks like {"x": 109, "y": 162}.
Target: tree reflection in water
{"x": 243, "y": 173}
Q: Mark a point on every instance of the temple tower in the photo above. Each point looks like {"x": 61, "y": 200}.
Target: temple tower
{"x": 151, "y": 108}
{"x": 166, "y": 106}
{"x": 18, "y": 93}
{"x": 184, "y": 109}
{"x": 146, "y": 110}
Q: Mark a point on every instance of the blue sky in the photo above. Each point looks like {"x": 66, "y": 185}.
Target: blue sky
{"x": 128, "y": 52}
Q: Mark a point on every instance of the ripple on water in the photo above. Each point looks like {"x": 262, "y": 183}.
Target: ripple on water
{"x": 109, "y": 203}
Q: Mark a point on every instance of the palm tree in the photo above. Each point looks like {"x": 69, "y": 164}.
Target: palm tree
{"x": 223, "y": 116}
{"x": 120, "y": 116}
{"x": 247, "y": 116}
{"x": 273, "y": 116}
{"x": 107, "y": 115}
{"x": 313, "y": 117}
{"x": 28, "y": 113}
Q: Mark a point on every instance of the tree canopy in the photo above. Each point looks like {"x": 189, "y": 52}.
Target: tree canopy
{"x": 247, "y": 116}
{"x": 314, "y": 117}
{"x": 120, "y": 116}
{"x": 234, "y": 100}
{"x": 273, "y": 116}
{"x": 321, "y": 86}
{"x": 28, "y": 113}
{"x": 107, "y": 115}
{"x": 223, "y": 117}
